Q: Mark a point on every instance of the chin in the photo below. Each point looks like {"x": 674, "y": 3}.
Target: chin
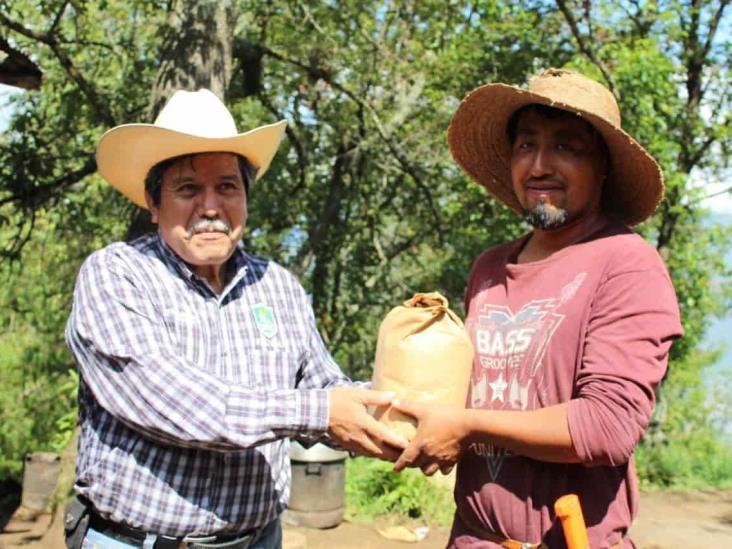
{"x": 209, "y": 255}
{"x": 546, "y": 216}
{"x": 213, "y": 259}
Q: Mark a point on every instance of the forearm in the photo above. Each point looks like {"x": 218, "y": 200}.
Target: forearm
{"x": 541, "y": 434}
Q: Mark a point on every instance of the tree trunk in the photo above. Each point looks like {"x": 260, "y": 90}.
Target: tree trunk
{"x": 196, "y": 53}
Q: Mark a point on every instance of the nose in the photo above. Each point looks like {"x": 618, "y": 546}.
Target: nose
{"x": 541, "y": 164}
{"x": 209, "y": 204}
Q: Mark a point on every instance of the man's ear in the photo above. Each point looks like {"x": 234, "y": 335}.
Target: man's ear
{"x": 151, "y": 206}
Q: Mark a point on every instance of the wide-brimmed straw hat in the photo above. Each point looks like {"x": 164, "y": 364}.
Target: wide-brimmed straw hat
{"x": 191, "y": 122}
{"x": 480, "y": 144}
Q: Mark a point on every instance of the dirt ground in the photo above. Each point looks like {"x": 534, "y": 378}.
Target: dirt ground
{"x": 689, "y": 520}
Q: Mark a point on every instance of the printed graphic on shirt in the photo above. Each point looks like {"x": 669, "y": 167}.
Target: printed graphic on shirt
{"x": 510, "y": 348}
{"x": 265, "y": 319}
{"x": 492, "y": 455}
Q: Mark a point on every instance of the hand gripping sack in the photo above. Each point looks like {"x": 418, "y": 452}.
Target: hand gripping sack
{"x": 424, "y": 355}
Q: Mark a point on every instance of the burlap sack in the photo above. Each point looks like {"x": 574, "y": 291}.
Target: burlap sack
{"x": 423, "y": 354}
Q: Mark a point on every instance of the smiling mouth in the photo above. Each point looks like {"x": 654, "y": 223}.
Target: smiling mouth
{"x": 541, "y": 191}
{"x": 538, "y": 187}
{"x": 209, "y": 234}
{"x": 543, "y": 185}
{"x": 209, "y": 231}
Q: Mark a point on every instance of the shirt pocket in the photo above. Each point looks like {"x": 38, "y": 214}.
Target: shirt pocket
{"x": 271, "y": 368}
{"x": 192, "y": 337}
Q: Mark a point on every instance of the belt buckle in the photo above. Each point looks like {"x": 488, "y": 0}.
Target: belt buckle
{"x": 199, "y": 539}
{"x": 193, "y": 541}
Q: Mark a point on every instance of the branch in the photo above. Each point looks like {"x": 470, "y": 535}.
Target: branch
{"x": 713, "y": 26}
{"x": 697, "y": 156}
{"x": 38, "y": 194}
{"x": 57, "y": 19}
{"x": 316, "y": 244}
{"x": 389, "y": 192}
{"x": 585, "y": 48}
{"x": 385, "y": 258}
{"x": 694, "y": 60}
{"x": 99, "y": 106}
{"x": 718, "y": 193}
{"x": 336, "y": 191}
{"x": 86, "y": 43}
{"x": 587, "y": 12}
{"x": 309, "y": 17}
{"x": 20, "y": 29}
{"x": 319, "y": 73}
{"x": 88, "y": 168}
{"x": 292, "y": 136}
{"x": 642, "y": 24}
{"x": 670, "y": 218}
{"x": 403, "y": 246}
{"x": 19, "y": 240}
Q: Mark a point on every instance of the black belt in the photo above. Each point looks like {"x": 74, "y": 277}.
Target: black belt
{"x": 133, "y": 535}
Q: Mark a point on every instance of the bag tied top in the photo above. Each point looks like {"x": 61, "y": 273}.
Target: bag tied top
{"x": 423, "y": 354}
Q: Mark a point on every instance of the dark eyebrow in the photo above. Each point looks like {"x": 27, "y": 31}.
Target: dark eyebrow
{"x": 523, "y": 130}
{"x": 569, "y": 135}
{"x": 181, "y": 179}
{"x": 189, "y": 179}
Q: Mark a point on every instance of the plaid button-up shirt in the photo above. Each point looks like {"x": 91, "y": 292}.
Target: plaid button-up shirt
{"x": 187, "y": 397}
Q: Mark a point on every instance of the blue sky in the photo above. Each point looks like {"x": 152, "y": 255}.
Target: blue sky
{"x": 720, "y": 332}
{"x": 5, "y": 93}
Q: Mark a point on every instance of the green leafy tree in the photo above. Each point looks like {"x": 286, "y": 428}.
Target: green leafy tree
{"x": 363, "y": 202}
{"x": 53, "y": 212}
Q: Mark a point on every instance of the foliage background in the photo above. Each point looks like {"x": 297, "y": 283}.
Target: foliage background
{"x": 362, "y": 202}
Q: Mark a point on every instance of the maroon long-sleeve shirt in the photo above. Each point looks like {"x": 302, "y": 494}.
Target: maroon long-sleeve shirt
{"x": 590, "y": 325}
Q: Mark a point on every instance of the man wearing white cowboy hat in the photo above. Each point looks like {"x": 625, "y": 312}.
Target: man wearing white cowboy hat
{"x": 572, "y": 323}
{"x": 197, "y": 359}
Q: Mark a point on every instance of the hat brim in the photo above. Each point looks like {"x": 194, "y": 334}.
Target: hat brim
{"x": 126, "y": 153}
{"x": 479, "y": 143}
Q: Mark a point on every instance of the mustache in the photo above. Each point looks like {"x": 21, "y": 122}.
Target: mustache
{"x": 206, "y": 224}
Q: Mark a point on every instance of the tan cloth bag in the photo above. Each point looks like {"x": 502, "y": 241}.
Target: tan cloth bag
{"x": 424, "y": 355}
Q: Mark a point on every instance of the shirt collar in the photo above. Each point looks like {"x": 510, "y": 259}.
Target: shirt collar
{"x": 238, "y": 262}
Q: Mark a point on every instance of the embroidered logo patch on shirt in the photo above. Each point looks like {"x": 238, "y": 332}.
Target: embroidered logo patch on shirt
{"x": 265, "y": 319}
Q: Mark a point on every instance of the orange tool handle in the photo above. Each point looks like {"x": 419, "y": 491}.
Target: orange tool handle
{"x": 569, "y": 511}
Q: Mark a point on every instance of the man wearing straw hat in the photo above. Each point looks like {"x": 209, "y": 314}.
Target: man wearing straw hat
{"x": 197, "y": 359}
{"x": 572, "y": 323}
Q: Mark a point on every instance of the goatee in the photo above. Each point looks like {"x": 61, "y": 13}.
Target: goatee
{"x": 545, "y": 216}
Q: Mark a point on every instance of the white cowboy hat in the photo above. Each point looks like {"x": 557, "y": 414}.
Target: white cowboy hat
{"x": 480, "y": 145}
{"x": 191, "y": 122}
